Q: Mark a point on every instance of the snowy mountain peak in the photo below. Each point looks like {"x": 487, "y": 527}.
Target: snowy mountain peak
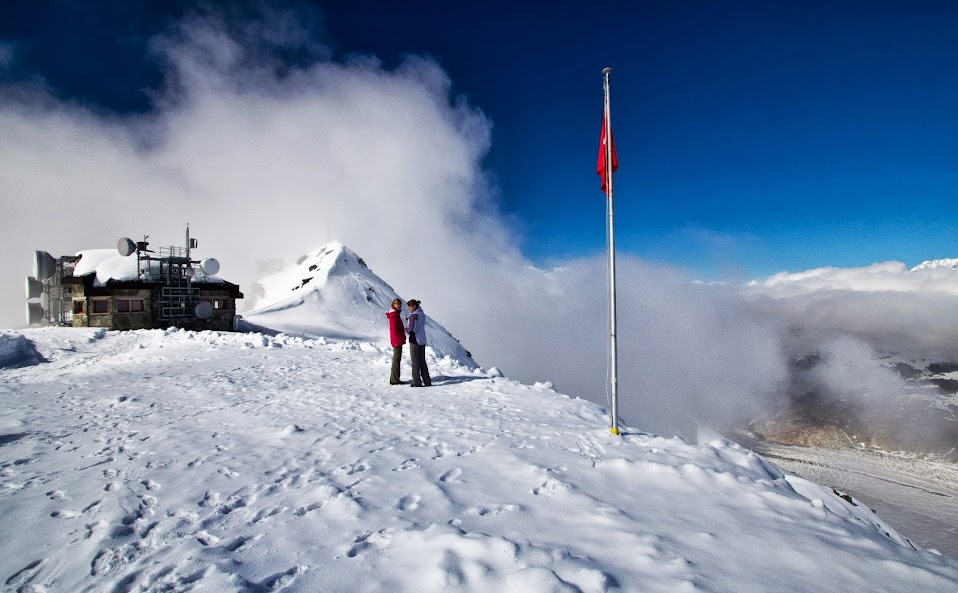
{"x": 937, "y": 263}
{"x": 331, "y": 292}
{"x": 311, "y": 273}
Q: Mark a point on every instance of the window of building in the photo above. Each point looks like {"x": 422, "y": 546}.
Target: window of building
{"x": 129, "y": 305}
{"x": 101, "y": 306}
{"x": 79, "y": 307}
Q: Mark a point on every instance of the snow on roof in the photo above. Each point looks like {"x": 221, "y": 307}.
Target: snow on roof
{"x": 109, "y": 265}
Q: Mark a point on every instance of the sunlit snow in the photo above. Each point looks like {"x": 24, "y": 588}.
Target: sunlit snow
{"x": 176, "y": 461}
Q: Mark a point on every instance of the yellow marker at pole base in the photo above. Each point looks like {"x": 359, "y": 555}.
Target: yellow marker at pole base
{"x": 614, "y": 430}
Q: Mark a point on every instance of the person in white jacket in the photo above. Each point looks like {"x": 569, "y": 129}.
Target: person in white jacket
{"x": 416, "y": 328}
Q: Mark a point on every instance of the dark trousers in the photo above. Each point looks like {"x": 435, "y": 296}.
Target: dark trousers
{"x": 420, "y": 373}
{"x": 394, "y": 373}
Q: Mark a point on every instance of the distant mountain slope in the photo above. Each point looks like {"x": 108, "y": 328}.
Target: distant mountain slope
{"x": 937, "y": 263}
{"x": 331, "y": 292}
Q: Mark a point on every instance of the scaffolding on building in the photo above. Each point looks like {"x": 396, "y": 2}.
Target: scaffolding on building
{"x": 172, "y": 268}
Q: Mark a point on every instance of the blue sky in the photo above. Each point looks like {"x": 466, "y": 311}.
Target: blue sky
{"x": 753, "y": 137}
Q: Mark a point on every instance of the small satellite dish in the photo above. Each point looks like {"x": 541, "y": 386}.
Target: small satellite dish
{"x": 126, "y": 247}
{"x": 190, "y": 272}
{"x": 45, "y": 301}
{"x": 204, "y": 310}
{"x": 34, "y": 288}
{"x": 34, "y": 314}
{"x": 210, "y": 266}
{"x": 45, "y": 266}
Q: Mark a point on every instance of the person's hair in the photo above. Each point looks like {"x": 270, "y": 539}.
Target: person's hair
{"x": 395, "y": 301}
{"x": 413, "y": 303}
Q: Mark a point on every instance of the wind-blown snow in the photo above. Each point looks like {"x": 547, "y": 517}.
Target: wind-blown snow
{"x": 331, "y": 292}
{"x": 176, "y": 461}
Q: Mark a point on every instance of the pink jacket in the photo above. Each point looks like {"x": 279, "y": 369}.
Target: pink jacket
{"x": 397, "y": 334}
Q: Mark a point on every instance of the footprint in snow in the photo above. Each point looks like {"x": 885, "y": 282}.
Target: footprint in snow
{"x": 65, "y": 514}
{"x": 26, "y": 575}
{"x": 265, "y": 514}
{"x": 276, "y": 582}
{"x": 409, "y": 503}
{"x": 408, "y": 464}
{"x": 451, "y": 476}
{"x": 492, "y": 510}
{"x": 302, "y": 511}
{"x": 549, "y": 487}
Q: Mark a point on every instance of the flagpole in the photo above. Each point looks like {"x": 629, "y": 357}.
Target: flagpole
{"x": 613, "y": 350}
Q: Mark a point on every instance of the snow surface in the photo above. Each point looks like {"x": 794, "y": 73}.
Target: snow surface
{"x": 331, "y": 292}
{"x": 15, "y": 350}
{"x": 176, "y": 461}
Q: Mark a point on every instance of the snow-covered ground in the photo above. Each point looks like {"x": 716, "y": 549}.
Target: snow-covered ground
{"x": 176, "y": 461}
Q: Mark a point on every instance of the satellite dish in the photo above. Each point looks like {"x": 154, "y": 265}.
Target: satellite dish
{"x": 210, "y": 266}
{"x": 44, "y": 266}
{"x": 34, "y": 288}
{"x": 34, "y": 314}
{"x": 126, "y": 247}
{"x": 45, "y": 301}
{"x": 190, "y": 272}
{"x": 204, "y": 310}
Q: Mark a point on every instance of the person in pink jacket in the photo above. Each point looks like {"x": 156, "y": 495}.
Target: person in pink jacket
{"x": 397, "y": 337}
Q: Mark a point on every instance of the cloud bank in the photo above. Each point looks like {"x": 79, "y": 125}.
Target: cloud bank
{"x": 269, "y": 148}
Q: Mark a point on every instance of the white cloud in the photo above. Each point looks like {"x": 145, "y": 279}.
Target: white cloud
{"x": 894, "y": 309}
{"x": 891, "y": 276}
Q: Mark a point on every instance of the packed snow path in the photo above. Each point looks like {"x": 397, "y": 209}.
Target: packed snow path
{"x": 172, "y": 461}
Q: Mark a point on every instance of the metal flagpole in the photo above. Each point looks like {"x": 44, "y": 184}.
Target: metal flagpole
{"x": 613, "y": 351}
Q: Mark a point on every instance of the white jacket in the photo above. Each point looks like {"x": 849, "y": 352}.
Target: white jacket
{"x": 417, "y": 325}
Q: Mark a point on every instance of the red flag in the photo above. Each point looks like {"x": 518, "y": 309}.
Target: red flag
{"x": 601, "y": 167}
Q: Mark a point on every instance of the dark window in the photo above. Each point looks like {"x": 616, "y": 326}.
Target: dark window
{"x": 101, "y": 306}
{"x": 129, "y": 305}
{"x": 79, "y": 307}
